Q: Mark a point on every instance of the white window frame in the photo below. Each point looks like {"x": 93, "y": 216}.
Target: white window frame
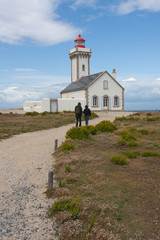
{"x": 116, "y": 101}
{"x": 95, "y": 101}
{"x": 105, "y": 84}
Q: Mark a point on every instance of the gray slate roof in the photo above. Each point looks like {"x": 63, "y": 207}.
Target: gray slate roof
{"x": 82, "y": 83}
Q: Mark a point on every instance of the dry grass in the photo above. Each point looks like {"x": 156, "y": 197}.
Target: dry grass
{"x": 11, "y": 124}
{"x": 117, "y": 202}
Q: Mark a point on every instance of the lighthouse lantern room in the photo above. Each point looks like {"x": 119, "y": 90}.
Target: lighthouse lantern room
{"x": 80, "y": 60}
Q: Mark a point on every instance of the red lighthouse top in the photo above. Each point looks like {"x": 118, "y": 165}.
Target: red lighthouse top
{"x": 79, "y": 42}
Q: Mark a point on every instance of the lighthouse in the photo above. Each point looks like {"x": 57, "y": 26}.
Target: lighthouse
{"x": 80, "y": 60}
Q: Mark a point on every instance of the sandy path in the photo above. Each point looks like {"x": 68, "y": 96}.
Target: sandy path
{"x": 24, "y": 164}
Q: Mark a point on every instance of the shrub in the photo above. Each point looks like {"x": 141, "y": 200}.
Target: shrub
{"x": 149, "y": 114}
{"x": 81, "y": 133}
{"x": 68, "y": 169}
{"x": 120, "y": 119}
{"x": 44, "y": 113}
{"x": 118, "y": 160}
{"x": 72, "y": 206}
{"x": 127, "y": 136}
{"x": 0, "y": 113}
{"x": 93, "y": 115}
{"x": 133, "y": 118}
{"x": 61, "y": 184}
{"x": 32, "y": 113}
{"x": 153, "y": 119}
{"x": 66, "y": 146}
{"x": 122, "y": 142}
{"x": 136, "y": 114}
{"x": 144, "y": 131}
{"x": 149, "y": 154}
{"x": 132, "y": 144}
{"x": 92, "y": 223}
{"x": 131, "y": 154}
{"x": 105, "y": 126}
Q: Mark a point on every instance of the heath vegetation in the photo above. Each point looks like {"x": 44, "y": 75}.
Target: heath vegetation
{"x": 108, "y": 184}
{"x": 12, "y": 124}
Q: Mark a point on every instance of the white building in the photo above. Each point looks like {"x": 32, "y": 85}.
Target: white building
{"x": 100, "y": 91}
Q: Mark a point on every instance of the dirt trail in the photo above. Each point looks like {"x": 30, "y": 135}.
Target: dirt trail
{"x": 24, "y": 164}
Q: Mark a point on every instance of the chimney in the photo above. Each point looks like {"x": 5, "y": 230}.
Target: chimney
{"x": 114, "y": 73}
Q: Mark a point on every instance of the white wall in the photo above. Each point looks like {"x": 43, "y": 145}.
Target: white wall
{"x": 97, "y": 89}
{"x": 46, "y": 105}
{"x": 83, "y": 60}
{"x": 65, "y": 104}
{"x": 76, "y": 94}
{"x": 31, "y": 106}
{"x": 74, "y": 69}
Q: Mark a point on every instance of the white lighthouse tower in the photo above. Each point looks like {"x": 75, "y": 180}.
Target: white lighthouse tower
{"x": 80, "y": 60}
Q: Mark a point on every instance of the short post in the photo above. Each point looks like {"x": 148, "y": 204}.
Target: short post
{"x": 50, "y": 179}
{"x": 22, "y": 128}
{"x": 55, "y": 145}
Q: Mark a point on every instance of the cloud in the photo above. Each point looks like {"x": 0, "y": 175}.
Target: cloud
{"x": 131, "y": 79}
{"x": 84, "y": 3}
{"x": 126, "y": 7}
{"x": 25, "y": 70}
{"x": 35, "y": 20}
{"x": 158, "y": 79}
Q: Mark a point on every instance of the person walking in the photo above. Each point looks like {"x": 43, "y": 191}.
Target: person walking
{"x": 87, "y": 114}
{"x": 78, "y": 114}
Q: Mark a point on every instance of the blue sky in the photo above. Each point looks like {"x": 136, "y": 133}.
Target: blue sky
{"x": 36, "y": 36}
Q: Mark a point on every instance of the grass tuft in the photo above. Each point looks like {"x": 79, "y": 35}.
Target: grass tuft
{"x": 118, "y": 160}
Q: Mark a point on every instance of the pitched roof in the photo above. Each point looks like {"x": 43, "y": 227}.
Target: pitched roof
{"x": 82, "y": 83}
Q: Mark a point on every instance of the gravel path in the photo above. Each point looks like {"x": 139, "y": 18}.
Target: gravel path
{"x": 24, "y": 164}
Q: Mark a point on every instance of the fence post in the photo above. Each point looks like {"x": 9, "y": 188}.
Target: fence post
{"x": 50, "y": 179}
{"x": 22, "y": 128}
{"x": 55, "y": 145}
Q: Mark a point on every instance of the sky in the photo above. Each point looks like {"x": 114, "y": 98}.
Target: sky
{"x": 36, "y": 36}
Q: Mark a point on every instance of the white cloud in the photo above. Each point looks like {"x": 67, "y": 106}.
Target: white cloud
{"x": 126, "y": 7}
{"x": 25, "y": 70}
{"x": 35, "y": 20}
{"x": 131, "y": 79}
{"x": 84, "y": 3}
{"x": 158, "y": 79}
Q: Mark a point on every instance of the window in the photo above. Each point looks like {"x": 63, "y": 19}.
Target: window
{"x": 95, "y": 101}
{"x": 116, "y": 102}
{"x": 105, "y": 84}
{"x": 83, "y": 67}
{"x": 105, "y": 101}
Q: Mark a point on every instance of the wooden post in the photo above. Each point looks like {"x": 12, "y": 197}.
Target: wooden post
{"x": 22, "y": 128}
{"x": 55, "y": 145}
{"x": 50, "y": 179}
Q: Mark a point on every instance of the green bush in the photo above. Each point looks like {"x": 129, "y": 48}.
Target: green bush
{"x": 118, "y": 160}
{"x": 61, "y": 184}
{"x": 131, "y": 154}
{"x": 149, "y": 114}
{"x": 72, "y": 206}
{"x": 149, "y": 154}
{"x": 122, "y": 142}
{"x": 44, "y": 113}
{"x": 120, "y": 119}
{"x": 132, "y": 144}
{"x": 66, "y": 146}
{"x": 80, "y": 133}
{"x": 127, "y": 136}
{"x": 31, "y": 113}
{"x": 144, "y": 131}
{"x": 153, "y": 119}
{"x": 93, "y": 115}
{"x": 136, "y": 114}
{"x": 0, "y": 113}
{"x": 105, "y": 126}
{"x": 68, "y": 169}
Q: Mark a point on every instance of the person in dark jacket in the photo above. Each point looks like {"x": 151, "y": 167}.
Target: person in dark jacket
{"x": 78, "y": 114}
{"x": 87, "y": 114}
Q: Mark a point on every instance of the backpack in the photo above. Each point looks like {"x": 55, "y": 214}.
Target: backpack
{"x": 78, "y": 110}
